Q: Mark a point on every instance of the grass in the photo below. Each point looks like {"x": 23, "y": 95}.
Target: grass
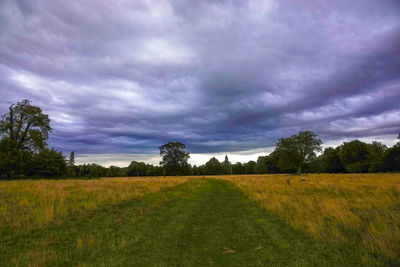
{"x": 33, "y": 204}
{"x": 363, "y": 208}
{"x": 203, "y": 222}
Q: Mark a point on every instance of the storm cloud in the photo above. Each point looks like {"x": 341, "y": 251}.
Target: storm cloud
{"x": 124, "y": 77}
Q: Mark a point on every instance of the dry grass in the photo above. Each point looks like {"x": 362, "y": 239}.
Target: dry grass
{"x": 32, "y": 204}
{"x": 334, "y": 207}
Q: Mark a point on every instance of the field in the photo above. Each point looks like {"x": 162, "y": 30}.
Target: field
{"x": 257, "y": 220}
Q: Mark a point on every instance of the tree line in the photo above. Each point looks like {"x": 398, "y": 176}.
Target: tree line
{"x": 24, "y": 130}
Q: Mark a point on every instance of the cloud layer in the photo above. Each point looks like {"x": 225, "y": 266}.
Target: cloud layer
{"x": 124, "y": 77}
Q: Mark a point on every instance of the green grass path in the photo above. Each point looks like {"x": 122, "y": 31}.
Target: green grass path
{"x": 204, "y": 222}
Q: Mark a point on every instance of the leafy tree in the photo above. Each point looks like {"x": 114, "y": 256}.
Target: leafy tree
{"x": 195, "y": 170}
{"x": 295, "y": 151}
{"x": 47, "y": 163}
{"x": 226, "y": 166}
{"x": 250, "y": 166}
{"x": 71, "y": 161}
{"x": 26, "y": 125}
{"x": 213, "y": 166}
{"x": 261, "y": 165}
{"x": 114, "y": 171}
{"x": 354, "y": 156}
{"x": 137, "y": 169}
{"x": 174, "y": 158}
{"x": 376, "y": 153}
{"x": 330, "y": 161}
{"x": 238, "y": 168}
{"x": 392, "y": 159}
{"x": 13, "y": 161}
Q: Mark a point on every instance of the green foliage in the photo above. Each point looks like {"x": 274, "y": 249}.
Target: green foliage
{"x": 114, "y": 171}
{"x": 375, "y": 157}
{"x": 354, "y": 156}
{"x": 26, "y": 125}
{"x": 261, "y": 165}
{"x": 226, "y": 166}
{"x": 250, "y": 166}
{"x": 238, "y": 168}
{"x": 137, "y": 169}
{"x": 174, "y": 158}
{"x": 47, "y": 163}
{"x": 213, "y": 167}
{"x": 392, "y": 159}
{"x": 330, "y": 161}
{"x": 293, "y": 152}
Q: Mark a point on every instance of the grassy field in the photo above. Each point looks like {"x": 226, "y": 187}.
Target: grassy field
{"x": 324, "y": 220}
{"x": 32, "y": 204}
{"x": 361, "y": 207}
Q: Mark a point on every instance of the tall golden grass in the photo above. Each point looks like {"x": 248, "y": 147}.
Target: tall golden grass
{"x": 31, "y": 204}
{"x": 334, "y": 207}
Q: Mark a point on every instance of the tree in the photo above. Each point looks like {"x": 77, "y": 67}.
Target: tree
{"x": 250, "y": 166}
{"x": 47, "y": 163}
{"x": 261, "y": 165}
{"x": 376, "y": 153}
{"x": 114, "y": 171}
{"x": 137, "y": 169}
{"x": 26, "y": 125}
{"x": 226, "y": 166}
{"x": 12, "y": 160}
{"x": 174, "y": 158}
{"x": 213, "y": 166}
{"x": 354, "y": 156}
{"x": 330, "y": 161}
{"x": 238, "y": 168}
{"x": 295, "y": 151}
{"x": 71, "y": 161}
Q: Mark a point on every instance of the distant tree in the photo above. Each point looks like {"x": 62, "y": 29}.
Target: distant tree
{"x": 261, "y": 165}
{"x": 137, "y": 169}
{"x": 250, "y": 166}
{"x": 330, "y": 161}
{"x": 238, "y": 168}
{"x": 226, "y": 166}
{"x": 195, "y": 170}
{"x": 295, "y": 151}
{"x": 354, "y": 156}
{"x": 26, "y": 126}
{"x": 47, "y": 163}
{"x": 114, "y": 171}
{"x": 392, "y": 159}
{"x": 213, "y": 167}
{"x": 151, "y": 170}
{"x": 71, "y": 161}
{"x": 174, "y": 158}
{"x": 376, "y": 154}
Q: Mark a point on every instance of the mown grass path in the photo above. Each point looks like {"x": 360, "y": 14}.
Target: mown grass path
{"x": 204, "y": 222}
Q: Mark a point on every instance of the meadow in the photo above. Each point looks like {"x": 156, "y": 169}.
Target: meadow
{"x": 334, "y": 207}
{"x": 236, "y": 220}
{"x": 33, "y": 204}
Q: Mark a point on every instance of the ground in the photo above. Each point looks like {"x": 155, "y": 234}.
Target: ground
{"x": 203, "y": 222}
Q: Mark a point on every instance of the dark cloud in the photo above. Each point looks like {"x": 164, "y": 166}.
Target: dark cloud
{"x": 127, "y": 76}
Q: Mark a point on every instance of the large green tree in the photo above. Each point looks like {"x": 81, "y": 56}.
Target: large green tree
{"x": 26, "y": 125}
{"x": 226, "y": 166}
{"x": 355, "y": 156}
{"x": 174, "y": 158}
{"x": 213, "y": 167}
{"x": 295, "y": 151}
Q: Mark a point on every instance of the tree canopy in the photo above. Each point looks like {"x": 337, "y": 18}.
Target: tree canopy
{"x": 26, "y": 125}
{"x": 174, "y": 158}
{"x": 294, "y": 151}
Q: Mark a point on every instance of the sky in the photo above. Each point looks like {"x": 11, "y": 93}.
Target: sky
{"x": 120, "y": 78}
